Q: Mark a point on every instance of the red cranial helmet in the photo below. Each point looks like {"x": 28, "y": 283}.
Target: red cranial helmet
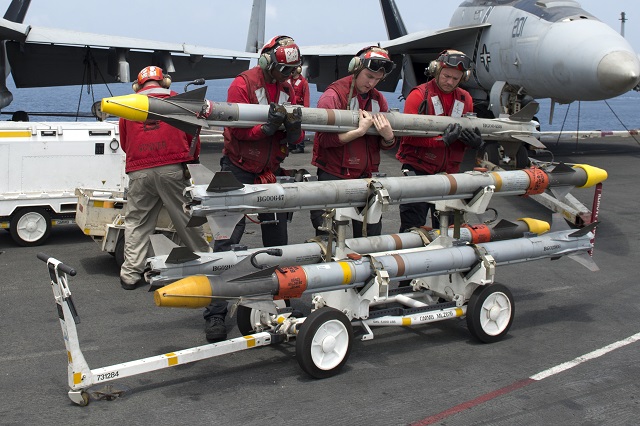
{"x": 280, "y": 50}
{"x": 150, "y": 73}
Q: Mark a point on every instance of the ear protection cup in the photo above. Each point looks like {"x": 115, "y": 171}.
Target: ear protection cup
{"x": 135, "y": 86}
{"x": 264, "y": 61}
{"x": 166, "y": 81}
{"x": 354, "y": 65}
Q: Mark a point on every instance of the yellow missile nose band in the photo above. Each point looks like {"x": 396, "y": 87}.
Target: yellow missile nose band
{"x": 536, "y": 226}
{"x": 594, "y": 175}
{"x": 131, "y": 107}
{"x": 185, "y": 293}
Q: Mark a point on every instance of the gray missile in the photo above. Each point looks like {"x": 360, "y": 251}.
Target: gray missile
{"x": 293, "y": 281}
{"x": 224, "y": 200}
{"x": 190, "y": 111}
{"x": 180, "y": 262}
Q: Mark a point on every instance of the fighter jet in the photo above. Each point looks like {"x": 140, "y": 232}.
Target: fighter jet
{"x": 75, "y": 58}
{"x": 521, "y": 50}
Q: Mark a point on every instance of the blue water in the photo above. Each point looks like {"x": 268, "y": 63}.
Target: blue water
{"x": 618, "y": 113}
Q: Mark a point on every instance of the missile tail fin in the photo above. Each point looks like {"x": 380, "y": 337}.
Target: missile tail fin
{"x": 585, "y": 260}
{"x": 527, "y": 113}
{"x": 181, "y": 255}
{"x": 195, "y": 221}
{"x": 224, "y": 181}
{"x": 222, "y": 225}
{"x": 200, "y": 174}
{"x": 161, "y": 244}
{"x": 585, "y": 230}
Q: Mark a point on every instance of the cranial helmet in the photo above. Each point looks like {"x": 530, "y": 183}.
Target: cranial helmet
{"x": 152, "y": 73}
{"x": 280, "y": 50}
{"x": 372, "y": 57}
{"x": 451, "y": 59}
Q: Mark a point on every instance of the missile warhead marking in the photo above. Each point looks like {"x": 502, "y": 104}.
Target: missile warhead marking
{"x": 189, "y": 292}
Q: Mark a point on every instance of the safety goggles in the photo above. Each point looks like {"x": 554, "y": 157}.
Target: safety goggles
{"x": 286, "y": 70}
{"x": 456, "y": 60}
{"x": 376, "y": 64}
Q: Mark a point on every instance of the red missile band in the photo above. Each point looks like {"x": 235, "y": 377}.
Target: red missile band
{"x": 538, "y": 181}
{"x": 292, "y": 282}
{"x": 479, "y": 233}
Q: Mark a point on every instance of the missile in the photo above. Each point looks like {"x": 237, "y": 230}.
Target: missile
{"x": 190, "y": 111}
{"x": 181, "y": 262}
{"x": 224, "y": 200}
{"x": 293, "y": 281}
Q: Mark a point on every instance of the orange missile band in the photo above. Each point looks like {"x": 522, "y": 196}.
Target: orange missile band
{"x": 538, "y": 181}
{"x": 292, "y": 282}
{"x": 479, "y": 233}
{"x": 131, "y": 107}
{"x": 184, "y": 293}
{"x": 594, "y": 175}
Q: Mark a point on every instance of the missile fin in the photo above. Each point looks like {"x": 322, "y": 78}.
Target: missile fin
{"x": 192, "y": 95}
{"x": 161, "y": 244}
{"x": 584, "y": 230}
{"x": 223, "y": 182}
{"x": 181, "y": 255}
{"x": 563, "y": 168}
{"x": 195, "y": 221}
{"x": 259, "y": 275}
{"x": 200, "y": 174}
{"x": 222, "y": 225}
{"x": 585, "y": 260}
{"x": 190, "y": 125}
{"x": 527, "y": 113}
{"x": 560, "y": 192}
{"x": 558, "y": 223}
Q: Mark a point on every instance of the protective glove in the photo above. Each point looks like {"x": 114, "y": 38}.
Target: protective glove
{"x": 277, "y": 114}
{"x": 293, "y": 126}
{"x": 473, "y": 139}
{"x": 451, "y": 134}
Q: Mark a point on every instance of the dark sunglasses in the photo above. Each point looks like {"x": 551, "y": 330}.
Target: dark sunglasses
{"x": 375, "y": 65}
{"x": 456, "y": 60}
{"x": 286, "y": 70}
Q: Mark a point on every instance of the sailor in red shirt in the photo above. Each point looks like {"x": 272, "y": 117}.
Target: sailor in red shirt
{"x": 427, "y": 156}
{"x": 301, "y": 87}
{"x": 355, "y": 154}
{"x": 254, "y": 154}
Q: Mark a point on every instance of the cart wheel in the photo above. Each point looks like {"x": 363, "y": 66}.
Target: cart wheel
{"x": 30, "y": 226}
{"x": 251, "y": 320}
{"x": 490, "y": 152}
{"x": 85, "y": 399}
{"x": 324, "y": 342}
{"x": 119, "y": 250}
{"x": 490, "y": 312}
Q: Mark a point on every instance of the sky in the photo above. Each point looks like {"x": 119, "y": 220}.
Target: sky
{"x": 224, "y": 24}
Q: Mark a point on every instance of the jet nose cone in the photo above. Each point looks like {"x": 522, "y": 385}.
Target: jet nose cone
{"x": 619, "y": 72}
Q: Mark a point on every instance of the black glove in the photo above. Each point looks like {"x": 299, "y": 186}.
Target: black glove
{"x": 472, "y": 139}
{"x": 277, "y": 114}
{"x": 451, "y": 134}
{"x": 293, "y": 126}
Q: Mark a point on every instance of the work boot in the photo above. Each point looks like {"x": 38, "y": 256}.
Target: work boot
{"x": 133, "y": 286}
{"x": 215, "y": 329}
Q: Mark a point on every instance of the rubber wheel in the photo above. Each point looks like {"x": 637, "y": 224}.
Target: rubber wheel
{"x": 119, "y": 251}
{"x": 30, "y": 226}
{"x": 324, "y": 343}
{"x": 249, "y": 319}
{"x": 490, "y": 312}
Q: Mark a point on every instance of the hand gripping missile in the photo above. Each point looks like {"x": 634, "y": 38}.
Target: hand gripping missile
{"x": 190, "y": 111}
{"x": 181, "y": 262}
{"x": 224, "y": 200}
{"x": 293, "y": 281}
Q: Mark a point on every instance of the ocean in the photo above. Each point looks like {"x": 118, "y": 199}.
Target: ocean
{"x": 620, "y": 113}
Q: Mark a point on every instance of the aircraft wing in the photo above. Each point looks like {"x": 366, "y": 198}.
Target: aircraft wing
{"x": 73, "y": 58}
{"x": 325, "y": 64}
